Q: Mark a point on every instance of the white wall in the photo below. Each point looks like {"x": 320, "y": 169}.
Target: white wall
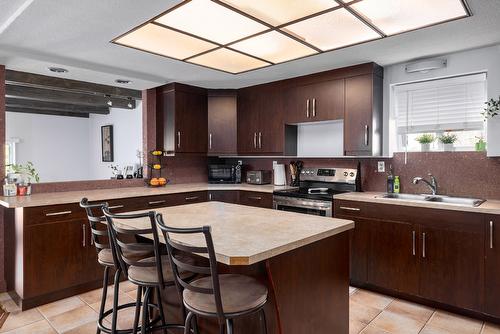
{"x": 69, "y": 148}
{"x": 478, "y": 60}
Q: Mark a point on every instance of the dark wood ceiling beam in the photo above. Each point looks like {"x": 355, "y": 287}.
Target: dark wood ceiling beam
{"x": 48, "y": 95}
{"x": 46, "y": 112}
{"x": 64, "y": 107}
{"x": 43, "y": 81}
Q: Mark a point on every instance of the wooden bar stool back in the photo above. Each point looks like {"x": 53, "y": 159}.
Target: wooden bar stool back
{"x": 225, "y": 296}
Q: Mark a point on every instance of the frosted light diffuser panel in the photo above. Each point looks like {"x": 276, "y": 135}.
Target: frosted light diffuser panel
{"x": 236, "y": 36}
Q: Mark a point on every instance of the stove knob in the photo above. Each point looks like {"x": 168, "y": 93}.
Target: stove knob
{"x": 352, "y": 174}
{"x": 303, "y": 172}
{"x": 346, "y": 174}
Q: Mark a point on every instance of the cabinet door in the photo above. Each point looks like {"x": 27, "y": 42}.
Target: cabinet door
{"x": 358, "y": 115}
{"x": 226, "y": 196}
{"x": 492, "y": 270}
{"x": 271, "y": 130}
{"x": 190, "y": 122}
{"x": 359, "y": 242}
{"x": 252, "y": 198}
{"x": 222, "y": 124}
{"x": 297, "y": 104}
{"x": 55, "y": 256}
{"x": 452, "y": 264}
{"x": 393, "y": 259}
{"x": 248, "y": 120}
{"x": 326, "y": 100}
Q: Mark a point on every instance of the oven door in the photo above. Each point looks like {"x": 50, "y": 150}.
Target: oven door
{"x": 221, "y": 174}
{"x": 302, "y": 205}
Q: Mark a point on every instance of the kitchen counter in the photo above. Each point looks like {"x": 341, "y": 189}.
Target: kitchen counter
{"x": 43, "y": 199}
{"x": 488, "y": 207}
{"x": 245, "y": 235}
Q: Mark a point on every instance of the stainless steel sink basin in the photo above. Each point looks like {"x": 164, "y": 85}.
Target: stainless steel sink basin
{"x": 464, "y": 201}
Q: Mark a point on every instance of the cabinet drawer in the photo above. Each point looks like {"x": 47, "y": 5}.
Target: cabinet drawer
{"x": 253, "y": 198}
{"x": 226, "y": 196}
{"x": 187, "y": 198}
{"x": 52, "y": 213}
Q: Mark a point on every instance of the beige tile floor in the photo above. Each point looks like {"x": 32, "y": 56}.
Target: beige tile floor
{"x": 370, "y": 313}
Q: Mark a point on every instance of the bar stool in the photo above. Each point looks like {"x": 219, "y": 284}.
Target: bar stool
{"x": 224, "y": 297}
{"x": 106, "y": 256}
{"x": 151, "y": 275}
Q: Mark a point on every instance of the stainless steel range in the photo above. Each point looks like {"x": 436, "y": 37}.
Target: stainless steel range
{"x": 315, "y": 193}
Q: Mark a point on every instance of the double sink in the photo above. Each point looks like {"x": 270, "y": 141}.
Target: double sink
{"x": 464, "y": 201}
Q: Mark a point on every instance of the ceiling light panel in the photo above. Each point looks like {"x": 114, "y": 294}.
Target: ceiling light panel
{"x": 274, "y": 47}
{"x": 163, "y": 41}
{"x": 332, "y": 30}
{"x": 396, "y": 16}
{"x": 211, "y": 21}
{"x": 278, "y": 12}
{"x": 228, "y": 60}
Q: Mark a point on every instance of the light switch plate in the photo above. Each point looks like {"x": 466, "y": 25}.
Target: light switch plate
{"x": 381, "y": 166}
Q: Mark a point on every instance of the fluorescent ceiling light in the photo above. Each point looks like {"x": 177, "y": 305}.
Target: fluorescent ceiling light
{"x": 396, "y": 16}
{"x": 333, "y": 30}
{"x": 241, "y": 35}
{"x": 211, "y": 21}
{"x": 166, "y": 42}
{"x": 228, "y": 60}
{"x": 274, "y": 47}
{"x": 277, "y": 12}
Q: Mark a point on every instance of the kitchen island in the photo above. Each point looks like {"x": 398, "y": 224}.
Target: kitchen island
{"x": 303, "y": 259}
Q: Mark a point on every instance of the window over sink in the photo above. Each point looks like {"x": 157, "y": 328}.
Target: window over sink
{"x": 449, "y": 106}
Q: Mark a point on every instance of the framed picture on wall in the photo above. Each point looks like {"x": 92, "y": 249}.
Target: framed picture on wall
{"x": 107, "y": 143}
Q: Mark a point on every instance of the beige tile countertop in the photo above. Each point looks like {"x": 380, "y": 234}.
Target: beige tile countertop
{"x": 245, "y": 235}
{"x": 55, "y": 198}
{"x": 488, "y": 207}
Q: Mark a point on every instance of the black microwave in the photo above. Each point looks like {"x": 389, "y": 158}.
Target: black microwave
{"x": 224, "y": 173}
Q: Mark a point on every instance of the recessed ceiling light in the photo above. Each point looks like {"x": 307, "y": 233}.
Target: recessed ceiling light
{"x": 241, "y": 35}
{"x": 58, "y": 70}
{"x": 123, "y": 81}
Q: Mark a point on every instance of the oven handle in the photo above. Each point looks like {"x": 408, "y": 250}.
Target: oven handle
{"x": 303, "y": 206}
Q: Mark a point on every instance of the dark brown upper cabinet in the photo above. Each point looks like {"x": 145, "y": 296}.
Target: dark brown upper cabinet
{"x": 222, "y": 120}
{"x": 183, "y": 113}
{"x": 322, "y": 101}
{"x": 260, "y": 120}
{"x": 363, "y": 114}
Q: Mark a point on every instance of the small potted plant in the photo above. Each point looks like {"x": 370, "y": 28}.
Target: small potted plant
{"x": 448, "y": 139}
{"x": 425, "y": 140}
{"x": 24, "y": 175}
{"x": 480, "y": 144}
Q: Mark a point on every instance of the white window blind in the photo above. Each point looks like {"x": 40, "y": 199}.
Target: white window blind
{"x": 452, "y": 104}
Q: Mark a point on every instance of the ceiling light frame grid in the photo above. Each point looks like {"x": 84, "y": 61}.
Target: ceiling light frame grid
{"x": 279, "y": 29}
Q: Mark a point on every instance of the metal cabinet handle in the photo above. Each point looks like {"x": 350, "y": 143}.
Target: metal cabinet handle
{"x": 366, "y": 135}
{"x": 307, "y": 108}
{"x": 349, "y": 209}
{"x": 157, "y": 202}
{"x": 192, "y": 198}
{"x": 84, "y": 236}
{"x": 413, "y": 235}
{"x": 58, "y": 213}
{"x": 210, "y": 141}
{"x": 491, "y": 234}
{"x": 116, "y": 207}
{"x": 257, "y": 198}
{"x": 255, "y": 140}
{"x": 313, "y": 107}
{"x": 260, "y": 139}
{"x": 423, "y": 245}
{"x": 178, "y": 139}
{"x": 210, "y": 196}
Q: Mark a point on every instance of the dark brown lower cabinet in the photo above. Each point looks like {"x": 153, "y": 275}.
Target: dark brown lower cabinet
{"x": 226, "y": 196}
{"x": 492, "y": 267}
{"x": 431, "y": 254}
{"x": 258, "y": 199}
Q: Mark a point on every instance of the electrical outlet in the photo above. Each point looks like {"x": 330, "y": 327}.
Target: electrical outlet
{"x": 381, "y": 166}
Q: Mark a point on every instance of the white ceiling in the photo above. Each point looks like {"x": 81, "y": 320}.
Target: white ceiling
{"x": 75, "y": 34}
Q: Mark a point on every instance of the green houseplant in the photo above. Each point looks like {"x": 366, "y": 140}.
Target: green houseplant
{"x": 425, "y": 140}
{"x": 448, "y": 139}
{"x": 480, "y": 144}
{"x": 26, "y": 174}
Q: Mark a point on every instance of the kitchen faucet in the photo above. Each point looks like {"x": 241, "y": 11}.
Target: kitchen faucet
{"x": 432, "y": 185}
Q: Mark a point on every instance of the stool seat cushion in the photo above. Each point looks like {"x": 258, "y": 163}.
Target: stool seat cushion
{"x": 149, "y": 275}
{"x": 105, "y": 256}
{"x": 239, "y": 293}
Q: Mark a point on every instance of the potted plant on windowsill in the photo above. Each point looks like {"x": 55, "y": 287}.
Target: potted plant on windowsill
{"x": 448, "y": 140}
{"x": 425, "y": 141}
